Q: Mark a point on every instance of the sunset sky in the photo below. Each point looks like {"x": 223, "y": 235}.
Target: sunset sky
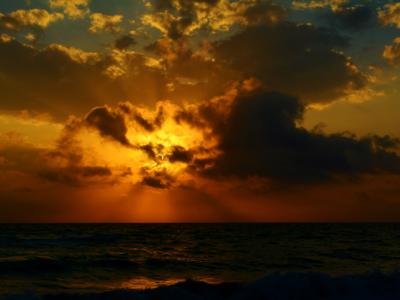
{"x": 199, "y": 111}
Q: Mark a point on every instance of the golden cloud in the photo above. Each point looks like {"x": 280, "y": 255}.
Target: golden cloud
{"x": 36, "y": 18}
{"x": 72, "y": 8}
{"x": 77, "y": 54}
{"x": 181, "y": 18}
{"x": 108, "y": 23}
{"x": 390, "y": 15}
{"x": 314, "y": 4}
{"x": 392, "y": 52}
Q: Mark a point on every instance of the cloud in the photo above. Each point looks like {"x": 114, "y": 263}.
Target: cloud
{"x": 158, "y": 180}
{"x": 76, "y": 54}
{"x": 124, "y": 42}
{"x": 291, "y": 58}
{"x": 261, "y": 137}
{"x": 356, "y": 17}
{"x": 107, "y": 23}
{"x": 109, "y": 123}
{"x": 60, "y": 165}
{"x": 390, "y": 15}
{"x": 31, "y": 18}
{"x": 392, "y": 52}
{"x": 315, "y": 4}
{"x": 76, "y": 176}
{"x": 342, "y": 14}
{"x": 61, "y": 80}
{"x": 58, "y": 80}
{"x": 180, "y": 154}
{"x": 177, "y": 19}
{"x": 156, "y": 123}
{"x": 6, "y": 38}
{"x": 72, "y": 8}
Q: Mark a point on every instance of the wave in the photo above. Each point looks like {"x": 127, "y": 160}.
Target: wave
{"x": 289, "y": 286}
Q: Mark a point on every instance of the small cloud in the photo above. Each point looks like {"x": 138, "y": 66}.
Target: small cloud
{"x": 180, "y": 154}
{"x": 124, "y": 42}
{"x": 109, "y": 123}
{"x": 72, "y": 8}
{"x": 392, "y": 52}
{"x": 107, "y": 23}
{"x": 77, "y": 54}
{"x": 158, "y": 180}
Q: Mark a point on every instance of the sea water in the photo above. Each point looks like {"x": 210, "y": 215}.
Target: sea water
{"x": 51, "y": 260}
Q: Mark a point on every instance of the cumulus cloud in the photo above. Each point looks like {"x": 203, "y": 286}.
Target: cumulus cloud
{"x": 53, "y": 79}
{"x": 261, "y": 137}
{"x": 66, "y": 80}
{"x": 392, "y": 52}
{"x": 177, "y": 19}
{"x": 31, "y": 18}
{"x": 72, "y": 8}
{"x": 61, "y": 80}
{"x": 108, "y": 23}
{"x": 291, "y": 58}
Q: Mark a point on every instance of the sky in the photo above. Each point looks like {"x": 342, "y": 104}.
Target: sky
{"x": 199, "y": 111}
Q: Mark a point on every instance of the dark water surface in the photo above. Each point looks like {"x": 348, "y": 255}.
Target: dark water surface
{"x": 53, "y": 259}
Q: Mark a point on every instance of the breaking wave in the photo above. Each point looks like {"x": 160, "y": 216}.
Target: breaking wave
{"x": 289, "y": 286}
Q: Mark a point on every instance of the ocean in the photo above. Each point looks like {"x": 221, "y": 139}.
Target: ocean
{"x": 200, "y": 261}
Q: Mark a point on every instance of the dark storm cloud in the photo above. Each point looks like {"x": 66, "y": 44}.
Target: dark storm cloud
{"x": 148, "y": 125}
{"x": 180, "y": 154}
{"x": 153, "y": 151}
{"x": 110, "y": 124}
{"x": 295, "y": 59}
{"x": 357, "y": 17}
{"x": 261, "y": 137}
{"x": 159, "y": 179}
{"x": 75, "y": 176}
{"x": 124, "y": 42}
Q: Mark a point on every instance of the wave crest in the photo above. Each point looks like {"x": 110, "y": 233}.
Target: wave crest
{"x": 289, "y": 286}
